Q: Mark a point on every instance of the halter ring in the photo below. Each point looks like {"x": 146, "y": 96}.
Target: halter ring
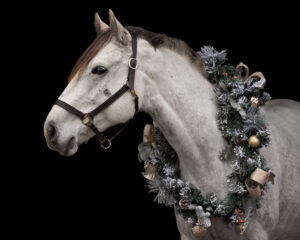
{"x": 130, "y": 65}
{"x": 106, "y": 143}
{"x": 86, "y": 119}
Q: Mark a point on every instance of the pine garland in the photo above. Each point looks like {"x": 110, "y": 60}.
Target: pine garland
{"x": 238, "y": 119}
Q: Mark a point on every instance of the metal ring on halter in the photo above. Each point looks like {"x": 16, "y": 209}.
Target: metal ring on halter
{"x": 86, "y": 119}
{"x": 106, "y": 143}
{"x": 129, "y": 63}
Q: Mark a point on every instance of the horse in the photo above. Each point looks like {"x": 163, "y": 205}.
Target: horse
{"x": 173, "y": 88}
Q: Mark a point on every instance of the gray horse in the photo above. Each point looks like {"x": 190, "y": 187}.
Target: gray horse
{"x": 173, "y": 89}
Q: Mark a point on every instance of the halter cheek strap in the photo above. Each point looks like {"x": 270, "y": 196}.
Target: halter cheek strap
{"x": 87, "y": 118}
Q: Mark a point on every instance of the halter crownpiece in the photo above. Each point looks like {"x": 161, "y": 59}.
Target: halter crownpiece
{"x": 87, "y": 118}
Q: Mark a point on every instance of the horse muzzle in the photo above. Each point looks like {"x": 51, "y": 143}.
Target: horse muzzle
{"x": 65, "y": 146}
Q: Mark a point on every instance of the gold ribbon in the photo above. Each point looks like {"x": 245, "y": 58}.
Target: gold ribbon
{"x": 148, "y": 133}
{"x": 150, "y": 171}
{"x": 245, "y": 67}
{"x": 257, "y": 179}
{"x": 259, "y": 75}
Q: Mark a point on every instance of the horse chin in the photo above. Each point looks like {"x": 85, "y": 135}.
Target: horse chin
{"x": 69, "y": 151}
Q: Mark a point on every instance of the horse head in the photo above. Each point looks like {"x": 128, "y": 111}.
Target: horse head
{"x": 99, "y": 73}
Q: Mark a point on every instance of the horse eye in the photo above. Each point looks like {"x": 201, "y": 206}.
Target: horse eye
{"x": 99, "y": 70}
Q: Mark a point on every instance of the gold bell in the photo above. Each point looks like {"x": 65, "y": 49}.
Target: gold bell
{"x": 254, "y": 141}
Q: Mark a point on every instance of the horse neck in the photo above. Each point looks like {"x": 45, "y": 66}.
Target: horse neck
{"x": 181, "y": 102}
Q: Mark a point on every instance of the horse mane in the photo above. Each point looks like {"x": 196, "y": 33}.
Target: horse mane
{"x": 161, "y": 40}
{"x": 155, "y": 39}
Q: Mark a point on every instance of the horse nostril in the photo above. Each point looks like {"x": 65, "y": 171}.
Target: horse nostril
{"x": 51, "y": 132}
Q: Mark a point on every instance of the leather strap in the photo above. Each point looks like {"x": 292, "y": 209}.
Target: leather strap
{"x": 87, "y": 118}
{"x": 109, "y": 101}
{"x": 99, "y": 134}
{"x": 82, "y": 116}
{"x": 131, "y": 73}
{"x": 132, "y": 64}
{"x": 69, "y": 108}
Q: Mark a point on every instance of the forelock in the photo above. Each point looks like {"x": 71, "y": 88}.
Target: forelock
{"x": 99, "y": 43}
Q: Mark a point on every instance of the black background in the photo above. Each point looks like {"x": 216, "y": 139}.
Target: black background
{"x": 97, "y": 192}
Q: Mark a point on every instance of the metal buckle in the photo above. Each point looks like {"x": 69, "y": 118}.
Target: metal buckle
{"x": 86, "y": 119}
{"x": 130, "y": 65}
{"x": 132, "y": 91}
{"x": 106, "y": 143}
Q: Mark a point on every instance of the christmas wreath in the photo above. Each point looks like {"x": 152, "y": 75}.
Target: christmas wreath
{"x": 239, "y": 97}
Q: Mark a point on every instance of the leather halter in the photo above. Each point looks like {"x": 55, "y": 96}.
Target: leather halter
{"x": 87, "y": 118}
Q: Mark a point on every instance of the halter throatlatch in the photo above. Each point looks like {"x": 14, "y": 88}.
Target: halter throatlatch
{"x": 87, "y": 118}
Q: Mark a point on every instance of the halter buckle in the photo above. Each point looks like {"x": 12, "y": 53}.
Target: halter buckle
{"x": 132, "y": 91}
{"x": 130, "y": 63}
{"x": 86, "y": 119}
{"x": 105, "y": 144}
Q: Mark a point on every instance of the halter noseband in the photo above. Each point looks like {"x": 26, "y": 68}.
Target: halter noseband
{"x": 87, "y": 118}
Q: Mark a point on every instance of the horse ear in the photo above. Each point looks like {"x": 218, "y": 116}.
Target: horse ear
{"x": 100, "y": 26}
{"x": 121, "y": 33}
